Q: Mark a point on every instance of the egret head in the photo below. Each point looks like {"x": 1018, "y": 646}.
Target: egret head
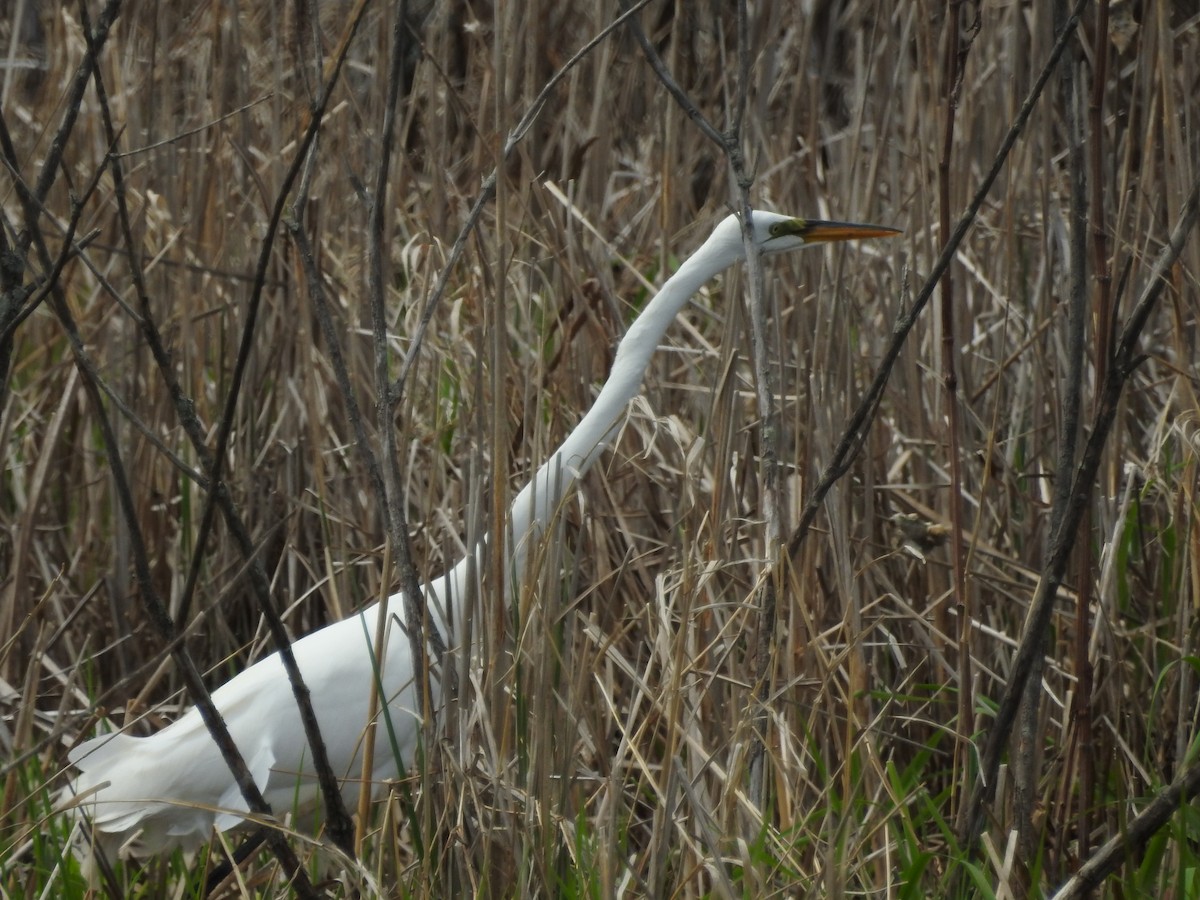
{"x": 776, "y": 234}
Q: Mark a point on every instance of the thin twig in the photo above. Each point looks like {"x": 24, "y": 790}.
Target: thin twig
{"x": 196, "y": 687}
{"x": 1130, "y": 842}
{"x": 14, "y": 256}
{"x": 765, "y": 383}
{"x": 91, "y": 379}
{"x": 1071, "y": 403}
{"x": 856, "y": 429}
{"x": 153, "y": 603}
{"x": 338, "y": 821}
{"x": 952, "y": 73}
{"x": 1124, "y": 362}
{"x": 42, "y": 287}
{"x": 422, "y": 633}
{"x": 766, "y": 601}
{"x": 488, "y": 191}
{"x": 663, "y": 74}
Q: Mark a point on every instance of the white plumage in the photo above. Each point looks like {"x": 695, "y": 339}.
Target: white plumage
{"x": 172, "y": 788}
{"x": 147, "y": 795}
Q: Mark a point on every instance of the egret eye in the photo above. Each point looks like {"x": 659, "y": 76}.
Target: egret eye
{"x": 776, "y": 229}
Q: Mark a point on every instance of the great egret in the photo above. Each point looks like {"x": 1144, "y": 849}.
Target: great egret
{"x": 146, "y": 795}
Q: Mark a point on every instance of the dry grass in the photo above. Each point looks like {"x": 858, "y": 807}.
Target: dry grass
{"x": 603, "y": 749}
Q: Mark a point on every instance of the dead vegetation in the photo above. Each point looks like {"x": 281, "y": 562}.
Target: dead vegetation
{"x": 603, "y": 747}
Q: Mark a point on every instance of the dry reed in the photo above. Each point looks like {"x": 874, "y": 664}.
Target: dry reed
{"x": 603, "y": 745}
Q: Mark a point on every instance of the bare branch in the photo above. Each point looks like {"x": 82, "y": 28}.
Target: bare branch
{"x": 1124, "y": 362}
{"x": 488, "y": 191}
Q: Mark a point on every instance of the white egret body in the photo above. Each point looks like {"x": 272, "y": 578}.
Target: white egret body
{"x": 146, "y": 795}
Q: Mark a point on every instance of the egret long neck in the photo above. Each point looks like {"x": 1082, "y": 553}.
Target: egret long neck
{"x": 538, "y": 500}
{"x": 536, "y": 503}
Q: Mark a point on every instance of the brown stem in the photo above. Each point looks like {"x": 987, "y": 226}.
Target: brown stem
{"x": 951, "y": 80}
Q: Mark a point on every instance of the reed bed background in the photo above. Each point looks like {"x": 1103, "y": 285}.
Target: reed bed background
{"x": 602, "y": 741}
